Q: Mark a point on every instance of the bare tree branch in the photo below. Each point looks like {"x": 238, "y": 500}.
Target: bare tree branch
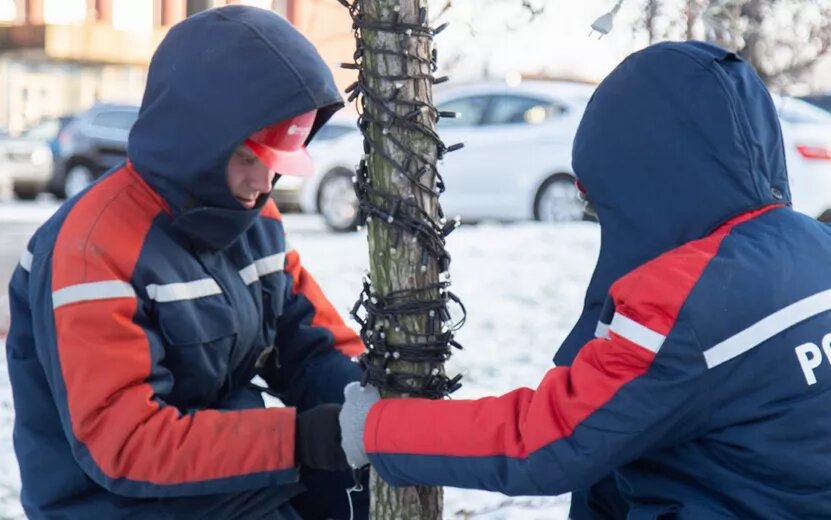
{"x": 782, "y": 39}
{"x": 532, "y": 10}
{"x": 651, "y": 14}
{"x": 443, "y": 10}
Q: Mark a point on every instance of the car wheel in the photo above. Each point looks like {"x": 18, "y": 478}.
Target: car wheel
{"x": 558, "y": 200}
{"x": 77, "y": 179}
{"x": 337, "y": 201}
{"x": 25, "y": 193}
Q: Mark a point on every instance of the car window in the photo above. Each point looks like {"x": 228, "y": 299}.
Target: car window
{"x": 470, "y": 111}
{"x": 115, "y": 119}
{"x": 45, "y": 130}
{"x": 330, "y": 132}
{"x": 822, "y": 101}
{"x": 507, "y": 110}
{"x": 793, "y": 110}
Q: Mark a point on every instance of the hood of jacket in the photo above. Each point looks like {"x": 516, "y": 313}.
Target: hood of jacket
{"x": 216, "y": 78}
{"x": 679, "y": 138}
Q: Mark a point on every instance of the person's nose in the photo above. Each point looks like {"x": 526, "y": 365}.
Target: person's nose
{"x": 260, "y": 179}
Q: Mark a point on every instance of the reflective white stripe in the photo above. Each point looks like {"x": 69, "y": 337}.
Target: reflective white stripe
{"x": 173, "y": 292}
{"x": 270, "y": 264}
{"x": 767, "y": 327}
{"x": 602, "y": 330}
{"x": 249, "y": 274}
{"x": 637, "y": 333}
{"x": 26, "y": 261}
{"x": 92, "y": 291}
{"x": 262, "y": 267}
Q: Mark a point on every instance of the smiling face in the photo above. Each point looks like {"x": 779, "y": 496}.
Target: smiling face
{"x": 248, "y": 177}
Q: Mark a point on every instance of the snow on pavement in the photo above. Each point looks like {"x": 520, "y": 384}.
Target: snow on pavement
{"x": 37, "y": 211}
{"x": 523, "y": 287}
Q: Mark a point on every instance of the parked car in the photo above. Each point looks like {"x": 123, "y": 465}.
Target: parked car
{"x": 27, "y": 160}
{"x": 94, "y": 142}
{"x": 806, "y": 132}
{"x": 97, "y": 141}
{"x": 516, "y": 163}
{"x": 822, "y": 101}
{"x": 327, "y": 149}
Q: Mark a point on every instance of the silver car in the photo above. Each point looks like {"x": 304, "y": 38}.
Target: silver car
{"x": 26, "y": 161}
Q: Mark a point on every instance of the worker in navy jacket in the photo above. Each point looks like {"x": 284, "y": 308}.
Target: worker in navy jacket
{"x": 700, "y": 370}
{"x": 144, "y": 307}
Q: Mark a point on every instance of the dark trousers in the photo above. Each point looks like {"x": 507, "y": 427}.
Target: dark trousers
{"x": 320, "y": 495}
{"x": 325, "y": 496}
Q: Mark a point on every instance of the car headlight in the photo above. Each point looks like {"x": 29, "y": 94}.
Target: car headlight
{"x": 41, "y": 156}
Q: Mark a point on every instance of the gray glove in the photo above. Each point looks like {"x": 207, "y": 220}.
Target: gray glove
{"x": 352, "y": 418}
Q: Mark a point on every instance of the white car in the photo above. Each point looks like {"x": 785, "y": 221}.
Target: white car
{"x": 806, "y": 132}
{"x": 26, "y": 161}
{"x": 516, "y": 162}
{"x": 334, "y": 152}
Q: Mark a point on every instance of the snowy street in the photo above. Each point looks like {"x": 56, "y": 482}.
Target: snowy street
{"x": 522, "y": 284}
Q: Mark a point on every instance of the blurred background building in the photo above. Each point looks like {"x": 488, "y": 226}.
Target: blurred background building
{"x": 61, "y": 56}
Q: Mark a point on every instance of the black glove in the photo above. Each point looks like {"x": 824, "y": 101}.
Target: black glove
{"x": 317, "y": 439}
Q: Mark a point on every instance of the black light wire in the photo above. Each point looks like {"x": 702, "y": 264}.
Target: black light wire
{"x": 381, "y": 315}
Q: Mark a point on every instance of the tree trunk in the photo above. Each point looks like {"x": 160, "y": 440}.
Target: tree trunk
{"x": 692, "y": 14}
{"x": 753, "y": 46}
{"x": 396, "y": 260}
{"x": 651, "y": 15}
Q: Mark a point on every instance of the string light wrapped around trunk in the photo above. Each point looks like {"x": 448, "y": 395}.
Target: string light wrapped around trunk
{"x": 386, "y": 318}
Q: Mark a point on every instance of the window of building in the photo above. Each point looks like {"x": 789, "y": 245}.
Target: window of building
{"x": 8, "y": 13}
{"x": 262, "y": 4}
{"x": 64, "y": 12}
{"x": 129, "y": 15}
{"x": 196, "y": 6}
{"x": 281, "y": 7}
{"x": 278, "y": 6}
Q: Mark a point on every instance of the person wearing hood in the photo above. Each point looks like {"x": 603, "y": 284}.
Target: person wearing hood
{"x": 143, "y": 309}
{"x": 699, "y": 370}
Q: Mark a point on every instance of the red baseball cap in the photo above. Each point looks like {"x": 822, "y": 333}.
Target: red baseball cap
{"x": 282, "y": 146}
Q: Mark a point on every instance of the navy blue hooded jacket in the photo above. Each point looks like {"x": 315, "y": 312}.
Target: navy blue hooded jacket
{"x": 142, "y": 310}
{"x": 702, "y": 372}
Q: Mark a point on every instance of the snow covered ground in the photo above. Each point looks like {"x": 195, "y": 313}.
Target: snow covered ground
{"x": 522, "y": 285}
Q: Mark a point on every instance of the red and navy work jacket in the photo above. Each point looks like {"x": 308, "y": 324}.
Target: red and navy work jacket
{"x": 699, "y": 373}
{"x": 709, "y": 399}
{"x": 131, "y": 353}
{"x": 143, "y": 308}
